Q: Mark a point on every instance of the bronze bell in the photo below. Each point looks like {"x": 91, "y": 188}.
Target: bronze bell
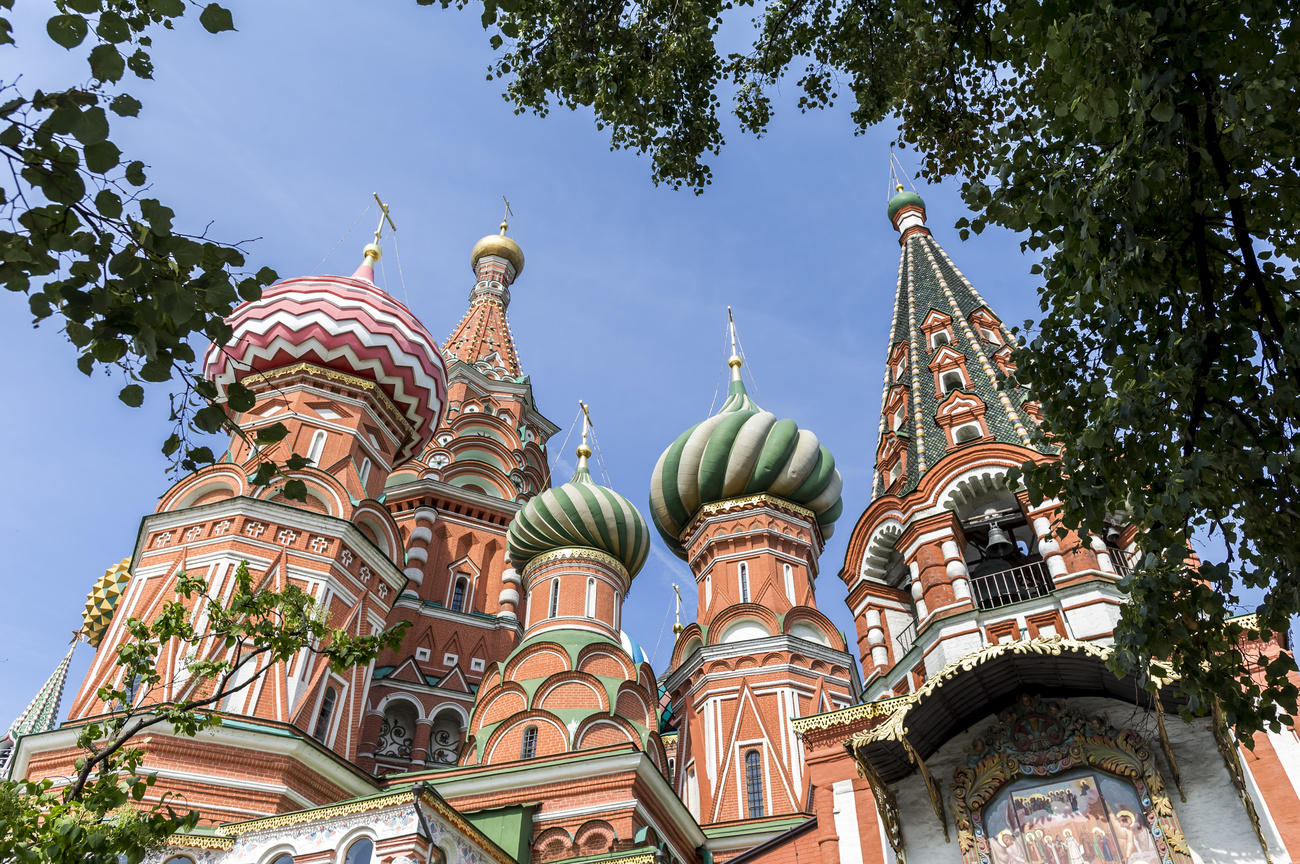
{"x": 999, "y": 545}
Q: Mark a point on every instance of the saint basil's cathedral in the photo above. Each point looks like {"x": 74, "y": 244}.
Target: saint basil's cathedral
{"x": 517, "y": 724}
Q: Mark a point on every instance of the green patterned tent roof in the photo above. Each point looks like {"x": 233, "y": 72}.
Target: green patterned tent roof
{"x": 580, "y": 513}
{"x": 42, "y": 713}
{"x": 930, "y": 284}
{"x": 742, "y": 450}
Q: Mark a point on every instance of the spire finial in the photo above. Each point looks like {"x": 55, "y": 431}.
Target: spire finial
{"x": 584, "y": 451}
{"x": 505, "y": 217}
{"x": 372, "y": 252}
{"x": 734, "y": 360}
{"x": 677, "y": 615}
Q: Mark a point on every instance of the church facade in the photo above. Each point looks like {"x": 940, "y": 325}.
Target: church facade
{"x": 974, "y": 720}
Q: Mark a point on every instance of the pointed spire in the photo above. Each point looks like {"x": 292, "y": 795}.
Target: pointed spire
{"x": 483, "y": 334}
{"x": 42, "y": 713}
{"x": 372, "y": 253}
{"x": 945, "y": 378}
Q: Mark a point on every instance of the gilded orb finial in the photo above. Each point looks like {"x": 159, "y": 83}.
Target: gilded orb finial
{"x": 734, "y": 360}
{"x": 584, "y": 451}
{"x": 898, "y": 187}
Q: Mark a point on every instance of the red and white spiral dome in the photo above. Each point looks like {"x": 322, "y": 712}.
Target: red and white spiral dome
{"x": 345, "y": 324}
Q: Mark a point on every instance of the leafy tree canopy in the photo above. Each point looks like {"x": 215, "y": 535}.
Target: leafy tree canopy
{"x": 240, "y": 637}
{"x": 1146, "y": 149}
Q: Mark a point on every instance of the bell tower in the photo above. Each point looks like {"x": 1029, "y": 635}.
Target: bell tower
{"x": 950, "y": 556}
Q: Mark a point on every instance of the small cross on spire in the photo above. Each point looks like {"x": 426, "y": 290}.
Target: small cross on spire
{"x": 372, "y": 251}
{"x": 583, "y": 449}
{"x": 505, "y": 218}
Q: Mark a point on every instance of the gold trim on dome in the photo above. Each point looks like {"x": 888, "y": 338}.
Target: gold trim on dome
{"x": 202, "y": 841}
{"x": 851, "y": 714}
{"x": 580, "y": 553}
{"x": 340, "y": 377}
{"x": 761, "y": 499}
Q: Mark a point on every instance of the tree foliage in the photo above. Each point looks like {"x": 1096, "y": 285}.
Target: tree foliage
{"x": 81, "y": 237}
{"x": 232, "y": 641}
{"x": 1146, "y": 149}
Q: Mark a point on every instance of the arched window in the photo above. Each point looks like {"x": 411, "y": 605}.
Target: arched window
{"x": 445, "y": 737}
{"x": 744, "y": 582}
{"x": 939, "y": 338}
{"x": 458, "y": 594}
{"x": 708, "y": 589}
{"x": 322, "y": 725}
{"x": 555, "y": 598}
{"x": 360, "y": 851}
{"x": 789, "y": 581}
{"x": 967, "y": 432}
{"x": 317, "y": 447}
{"x": 365, "y": 471}
{"x": 754, "y": 783}
{"x": 952, "y": 381}
{"x": 591, "y": 597}
{"x": 529, "y": 748}
{"x": 179, "y": 859}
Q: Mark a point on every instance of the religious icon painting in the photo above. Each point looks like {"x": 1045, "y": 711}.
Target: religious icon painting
{"x": 1077, "y": 818}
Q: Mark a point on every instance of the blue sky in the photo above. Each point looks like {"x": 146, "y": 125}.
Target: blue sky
{"x": 284, "y": 129}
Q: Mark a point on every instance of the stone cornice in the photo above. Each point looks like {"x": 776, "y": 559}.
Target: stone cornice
{"x": 370, "y": 388}
{"x": 576, "y": 553}
{"x": 726, "y": 650}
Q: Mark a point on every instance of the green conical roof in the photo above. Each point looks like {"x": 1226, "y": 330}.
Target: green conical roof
{"x": 742, "y": 450}
{"x": 580, "y": 513}
{"x": 42, "y": 713}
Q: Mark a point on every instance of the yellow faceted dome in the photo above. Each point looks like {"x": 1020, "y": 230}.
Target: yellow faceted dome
{"x": 102, "y": 600}
{"x": 501, "y": 246}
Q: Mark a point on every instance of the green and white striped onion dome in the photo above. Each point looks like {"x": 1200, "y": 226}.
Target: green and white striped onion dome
{"x": 580, "y": 513}
{"x": 742, "y": 450}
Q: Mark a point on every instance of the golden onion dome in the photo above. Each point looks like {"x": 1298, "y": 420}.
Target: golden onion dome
{"x": 102, "y": 600}
{"x": 501, "y": 246}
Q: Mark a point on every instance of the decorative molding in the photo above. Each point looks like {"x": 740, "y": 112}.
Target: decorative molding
{"x": 201, "y": 841}
{"x": 1223, "y": 739}
{"x": 851, "y": 714}
{"x": 370, "y": 387}
{"x": 579, "y": 553}
{"x": 762, "y": 499}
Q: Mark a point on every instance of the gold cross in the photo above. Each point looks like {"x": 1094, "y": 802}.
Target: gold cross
{"x": 505, "y": 218}
{"x": 383, "y": 217}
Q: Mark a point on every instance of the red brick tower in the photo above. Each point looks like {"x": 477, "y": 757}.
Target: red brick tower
{"x": 747, "y": 500}
{"x": 360, "y": 385}
{"x": 949, "y": 557}
{"x": 453, "y": 505}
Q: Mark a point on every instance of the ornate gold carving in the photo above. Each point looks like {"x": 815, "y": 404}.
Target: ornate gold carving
{"x": 1001, "y": 755}
{"x": 851, "y": 714}
{"x": 931, "y": 787}
{"x": 580, "y": 553}
{"x": 1227, "y": 745}
{"x": 201, "y": 841}
{"x": 1169, "y": 753}
{"x": 886, "y": 807}
{"x": 760, "y": 500}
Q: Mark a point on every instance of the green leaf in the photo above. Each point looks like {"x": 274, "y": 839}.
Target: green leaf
{"x": 271, "y": 434}
{"x": 107, "y": 63}
{"x": 132, "y": 395}
{"x": 67, "y": 30}
{"x": 102, "y": 157}
{"x": 135, "y": 174}
{"x": 215, "y": 18}
{"x": 108, "y": 204}
{"x": 125, "y": 105}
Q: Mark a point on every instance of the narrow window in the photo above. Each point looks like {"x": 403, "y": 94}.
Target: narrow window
{"x": 708, "y": 590}
{"x": 968, "y": 432}
{"x": 744, "y": 582}
{"x": 952, "y": 381}
{"x": 591, "y": 597}
{"x": 940, "y": 338}
{"x": 529, "y": 748}
{"x": 754, "y": 783}
{"x": 322, "y": 727}
{"x": 789, "y": 581}
{"x": 458, "y": 594}
{"x": 317, "y": 447}
{"x": 900, "y": 416}
{"x": 365, "y": 471}
{"x": 360, "y": 851}
{"x": 555, "y": 598}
